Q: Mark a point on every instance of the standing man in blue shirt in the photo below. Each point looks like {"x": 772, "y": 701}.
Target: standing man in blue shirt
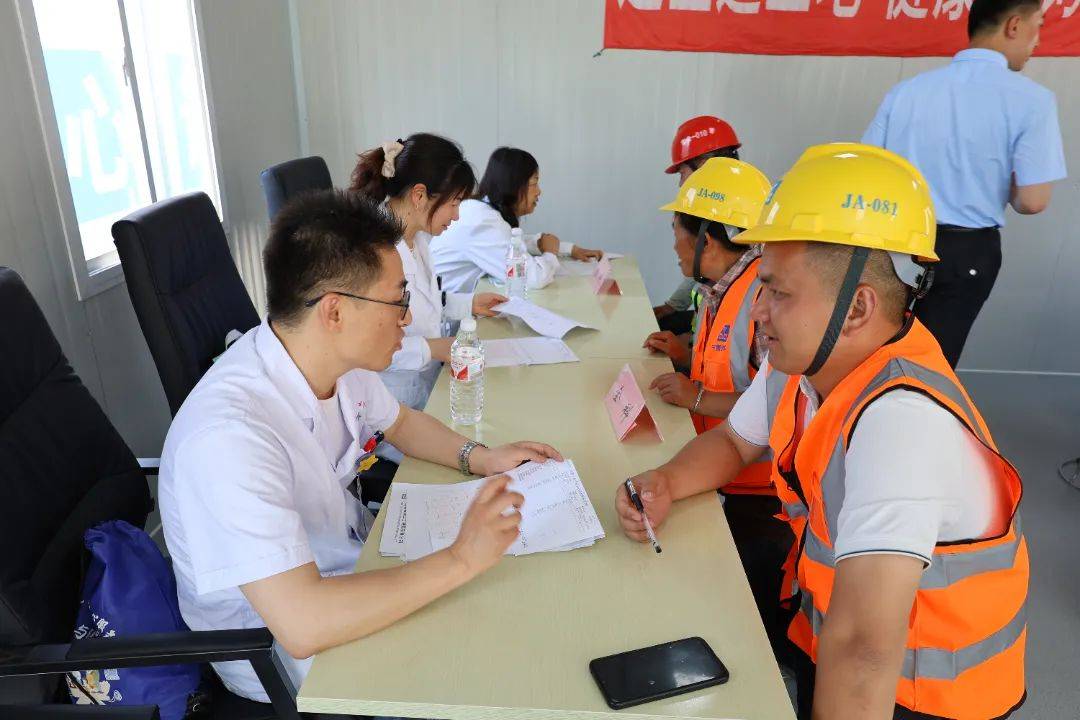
{"x": 984, "y": 136}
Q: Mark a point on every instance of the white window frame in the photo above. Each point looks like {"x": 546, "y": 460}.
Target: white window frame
{"x": 102, "y": 273}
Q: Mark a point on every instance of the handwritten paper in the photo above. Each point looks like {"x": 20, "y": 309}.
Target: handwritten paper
{"x": 557, "y": 514}
{"x": 540, "y": 319}
{"x": 527, "y": 351}
{"x": 626, "y": 407}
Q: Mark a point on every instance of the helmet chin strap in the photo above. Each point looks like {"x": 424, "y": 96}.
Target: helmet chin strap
{"x": 699, "y": 250}
{"x": 840, "y": 310}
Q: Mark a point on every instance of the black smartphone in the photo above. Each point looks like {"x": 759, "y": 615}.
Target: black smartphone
{"x": 661, "y": 671}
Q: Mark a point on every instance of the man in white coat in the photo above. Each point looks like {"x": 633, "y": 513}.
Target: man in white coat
{"x": 257, "y": 467}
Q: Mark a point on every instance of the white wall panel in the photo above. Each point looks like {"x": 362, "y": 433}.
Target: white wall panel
{"x": 522, "y": 72}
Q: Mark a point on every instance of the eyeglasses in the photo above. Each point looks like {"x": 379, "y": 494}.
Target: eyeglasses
{"x": 403, "y": 303}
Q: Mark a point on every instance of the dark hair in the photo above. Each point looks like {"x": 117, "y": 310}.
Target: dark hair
{"x": 433, "y": 161}
{"x": 989, "y": 14}
{"x": 731, "y": 151}
{"x": 321, "y": 241}
{"x": 505, "y": 178}
{"x": 715, "y": 230}
{"x": 831, "y": 263}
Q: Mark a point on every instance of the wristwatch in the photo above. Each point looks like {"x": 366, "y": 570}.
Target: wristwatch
{"x": 464, "y": 453}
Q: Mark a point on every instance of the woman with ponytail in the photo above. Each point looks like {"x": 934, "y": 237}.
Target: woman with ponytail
{"x": 478, "y": 242}
{"x": 421, "y": 181}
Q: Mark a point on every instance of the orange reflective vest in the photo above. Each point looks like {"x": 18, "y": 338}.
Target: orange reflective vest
{"x": 722, "y": 363}
{"x": 964, "y": 656}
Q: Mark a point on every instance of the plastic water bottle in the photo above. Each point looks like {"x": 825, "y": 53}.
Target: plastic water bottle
{"x": 517, "y": 266}
{"x": 467, "y": 381}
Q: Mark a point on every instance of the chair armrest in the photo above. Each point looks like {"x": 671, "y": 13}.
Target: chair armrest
{"x": 255, "y": 645}
{"x": 149, "y": 466}
{"x": 80, "y": 712}
{"x": 136, "y": 651}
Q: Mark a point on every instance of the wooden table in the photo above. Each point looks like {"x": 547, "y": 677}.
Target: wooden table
{"x": 516, "y": 642}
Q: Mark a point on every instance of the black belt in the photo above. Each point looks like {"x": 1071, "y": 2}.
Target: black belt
{"x": 957, "y": 228}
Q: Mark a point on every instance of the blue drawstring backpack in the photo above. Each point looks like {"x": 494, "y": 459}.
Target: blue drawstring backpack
{"x": 130, "y": 590}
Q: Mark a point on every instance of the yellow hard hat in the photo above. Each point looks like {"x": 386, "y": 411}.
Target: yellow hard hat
{"x": 723, "y": 190}
{"x": 850, "y": 194}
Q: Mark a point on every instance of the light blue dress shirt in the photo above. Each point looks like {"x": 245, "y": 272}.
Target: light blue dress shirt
{"x": 968, "y": 127}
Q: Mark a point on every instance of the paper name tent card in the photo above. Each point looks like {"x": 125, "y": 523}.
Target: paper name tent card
{"x": 527, "y": 351}
{"x": 626, "y": 407}
{"x": 557, "y": 514}
{"x": 602, "y": 281}
{"x": 540, "y": 319}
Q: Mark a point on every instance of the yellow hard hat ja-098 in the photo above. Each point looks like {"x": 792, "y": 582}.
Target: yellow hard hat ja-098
{"x": 723, "y": 190}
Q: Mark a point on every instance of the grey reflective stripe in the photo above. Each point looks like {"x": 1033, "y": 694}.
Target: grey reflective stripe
{"x": 949, "y": 568}
{"x": 817, "y": 551}
{"x": 741, "y": 341}
{"x": 794, "y": 510}
{"x": 900, "y": 367}
{"x": 937, "y": 664}
{"x": 834, "y": 488}
{"x": 813, "y": 615}
{"x": 946, "y": 568}
{"x": 775, "y": 382}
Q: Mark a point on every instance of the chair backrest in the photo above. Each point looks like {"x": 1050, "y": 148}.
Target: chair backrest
{"x": 184, "y": 285}
{"x": 288, "y": 179}
{"x": 63, "y": 469}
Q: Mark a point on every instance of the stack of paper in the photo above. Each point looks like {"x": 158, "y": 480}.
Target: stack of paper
{"x": 557, "y": 514}
{"x": 582, "y": 268}
{"x": 527, "y": 351}
{"x": 540, "y": 319}
{"x": 575, "y": 268}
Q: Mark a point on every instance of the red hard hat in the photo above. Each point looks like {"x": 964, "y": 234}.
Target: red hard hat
{"x": 698, "y": 136}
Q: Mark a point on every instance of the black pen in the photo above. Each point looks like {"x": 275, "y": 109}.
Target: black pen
{"x": 636, "y": 499}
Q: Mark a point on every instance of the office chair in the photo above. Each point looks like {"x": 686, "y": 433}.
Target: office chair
{"x": 63, "y": 469}
{"x": 185, "y": 287}
{"x": 288, "y": 179}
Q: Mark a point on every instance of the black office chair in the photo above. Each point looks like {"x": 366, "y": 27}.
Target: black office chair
{"x": 288, "y": 179}
{"x": 184, "y": 285}
{"x": 64, "y": 469}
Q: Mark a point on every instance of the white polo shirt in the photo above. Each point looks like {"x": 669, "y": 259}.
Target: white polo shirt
{"x": 914, "y": 475}
{"x": 250, "y": 487}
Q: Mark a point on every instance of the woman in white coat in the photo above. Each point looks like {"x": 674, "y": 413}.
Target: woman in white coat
{"x": 477, "y": 243}
{"x": 421, "y": 181}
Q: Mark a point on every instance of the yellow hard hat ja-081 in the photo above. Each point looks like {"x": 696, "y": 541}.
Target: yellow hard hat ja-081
{"x": 723, "y": 190}
{"x": 851, "y": 194}
{"x": 857, "y": 195}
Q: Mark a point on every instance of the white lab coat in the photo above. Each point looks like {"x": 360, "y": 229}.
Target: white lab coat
{"x": 476, "y": 244}
{"x": 412, "y": 372}
{"x": 247, "y": 489}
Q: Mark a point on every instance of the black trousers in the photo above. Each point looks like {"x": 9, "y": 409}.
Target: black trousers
{"x": 677, "y": 322}
{"x": 963, "y": 279}
{"x": 763, "y": 543}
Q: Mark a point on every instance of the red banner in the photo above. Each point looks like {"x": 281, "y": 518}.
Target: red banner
{"x": 897, "y": 28}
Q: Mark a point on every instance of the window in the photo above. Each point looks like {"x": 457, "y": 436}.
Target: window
{"x": 125, "y": 82}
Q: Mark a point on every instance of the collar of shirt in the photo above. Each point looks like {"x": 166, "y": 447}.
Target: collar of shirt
{"x": 713, "y": 295}
{"x": 981, "y": 55}
{"x": 813, "y": 400}
{"x": 291, "y": 383}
